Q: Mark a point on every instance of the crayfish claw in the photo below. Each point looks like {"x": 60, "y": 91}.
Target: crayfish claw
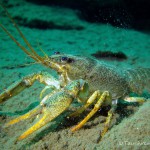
{"x": 53, "y": 107}
{"x": 46, "y": 88}
{"x": 44, "y": 120}
{"x": 30, "y": 114}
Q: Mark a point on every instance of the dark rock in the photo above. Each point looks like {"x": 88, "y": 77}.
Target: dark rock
{"x": 120, "y": 13}
{"x": 110, "y": 55}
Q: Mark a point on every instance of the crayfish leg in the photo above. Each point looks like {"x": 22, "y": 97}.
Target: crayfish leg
{"x": 88, "y": 103}
{"x": 104, "y": 97}
{"x": 107, "y": 123}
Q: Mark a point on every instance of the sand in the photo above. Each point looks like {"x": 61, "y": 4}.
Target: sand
{"x": 130, "y": 125}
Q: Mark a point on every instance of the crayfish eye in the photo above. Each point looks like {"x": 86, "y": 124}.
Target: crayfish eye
{"x": 64, "y": 58}
{"x": 56, "y": 53}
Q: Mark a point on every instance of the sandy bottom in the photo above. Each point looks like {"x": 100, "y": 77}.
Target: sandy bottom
{"x": 130, "y": 127}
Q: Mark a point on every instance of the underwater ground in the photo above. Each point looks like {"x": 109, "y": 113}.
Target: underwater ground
{"x": 61, "y": 29}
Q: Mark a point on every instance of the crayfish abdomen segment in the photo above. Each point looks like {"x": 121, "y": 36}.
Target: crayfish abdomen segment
{"x": 138, "y": 79}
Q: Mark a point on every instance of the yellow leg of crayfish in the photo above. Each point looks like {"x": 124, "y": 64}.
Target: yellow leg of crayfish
{"x": 107, "y": 123}
{"x": 99, "y": 103}
{"x": 31, "y": 113}
{"x": 88, "y": 103}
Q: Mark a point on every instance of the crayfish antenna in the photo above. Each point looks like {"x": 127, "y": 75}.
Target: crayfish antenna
{"x": 42, "y": 50}
{"x": 30, "y": 53}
